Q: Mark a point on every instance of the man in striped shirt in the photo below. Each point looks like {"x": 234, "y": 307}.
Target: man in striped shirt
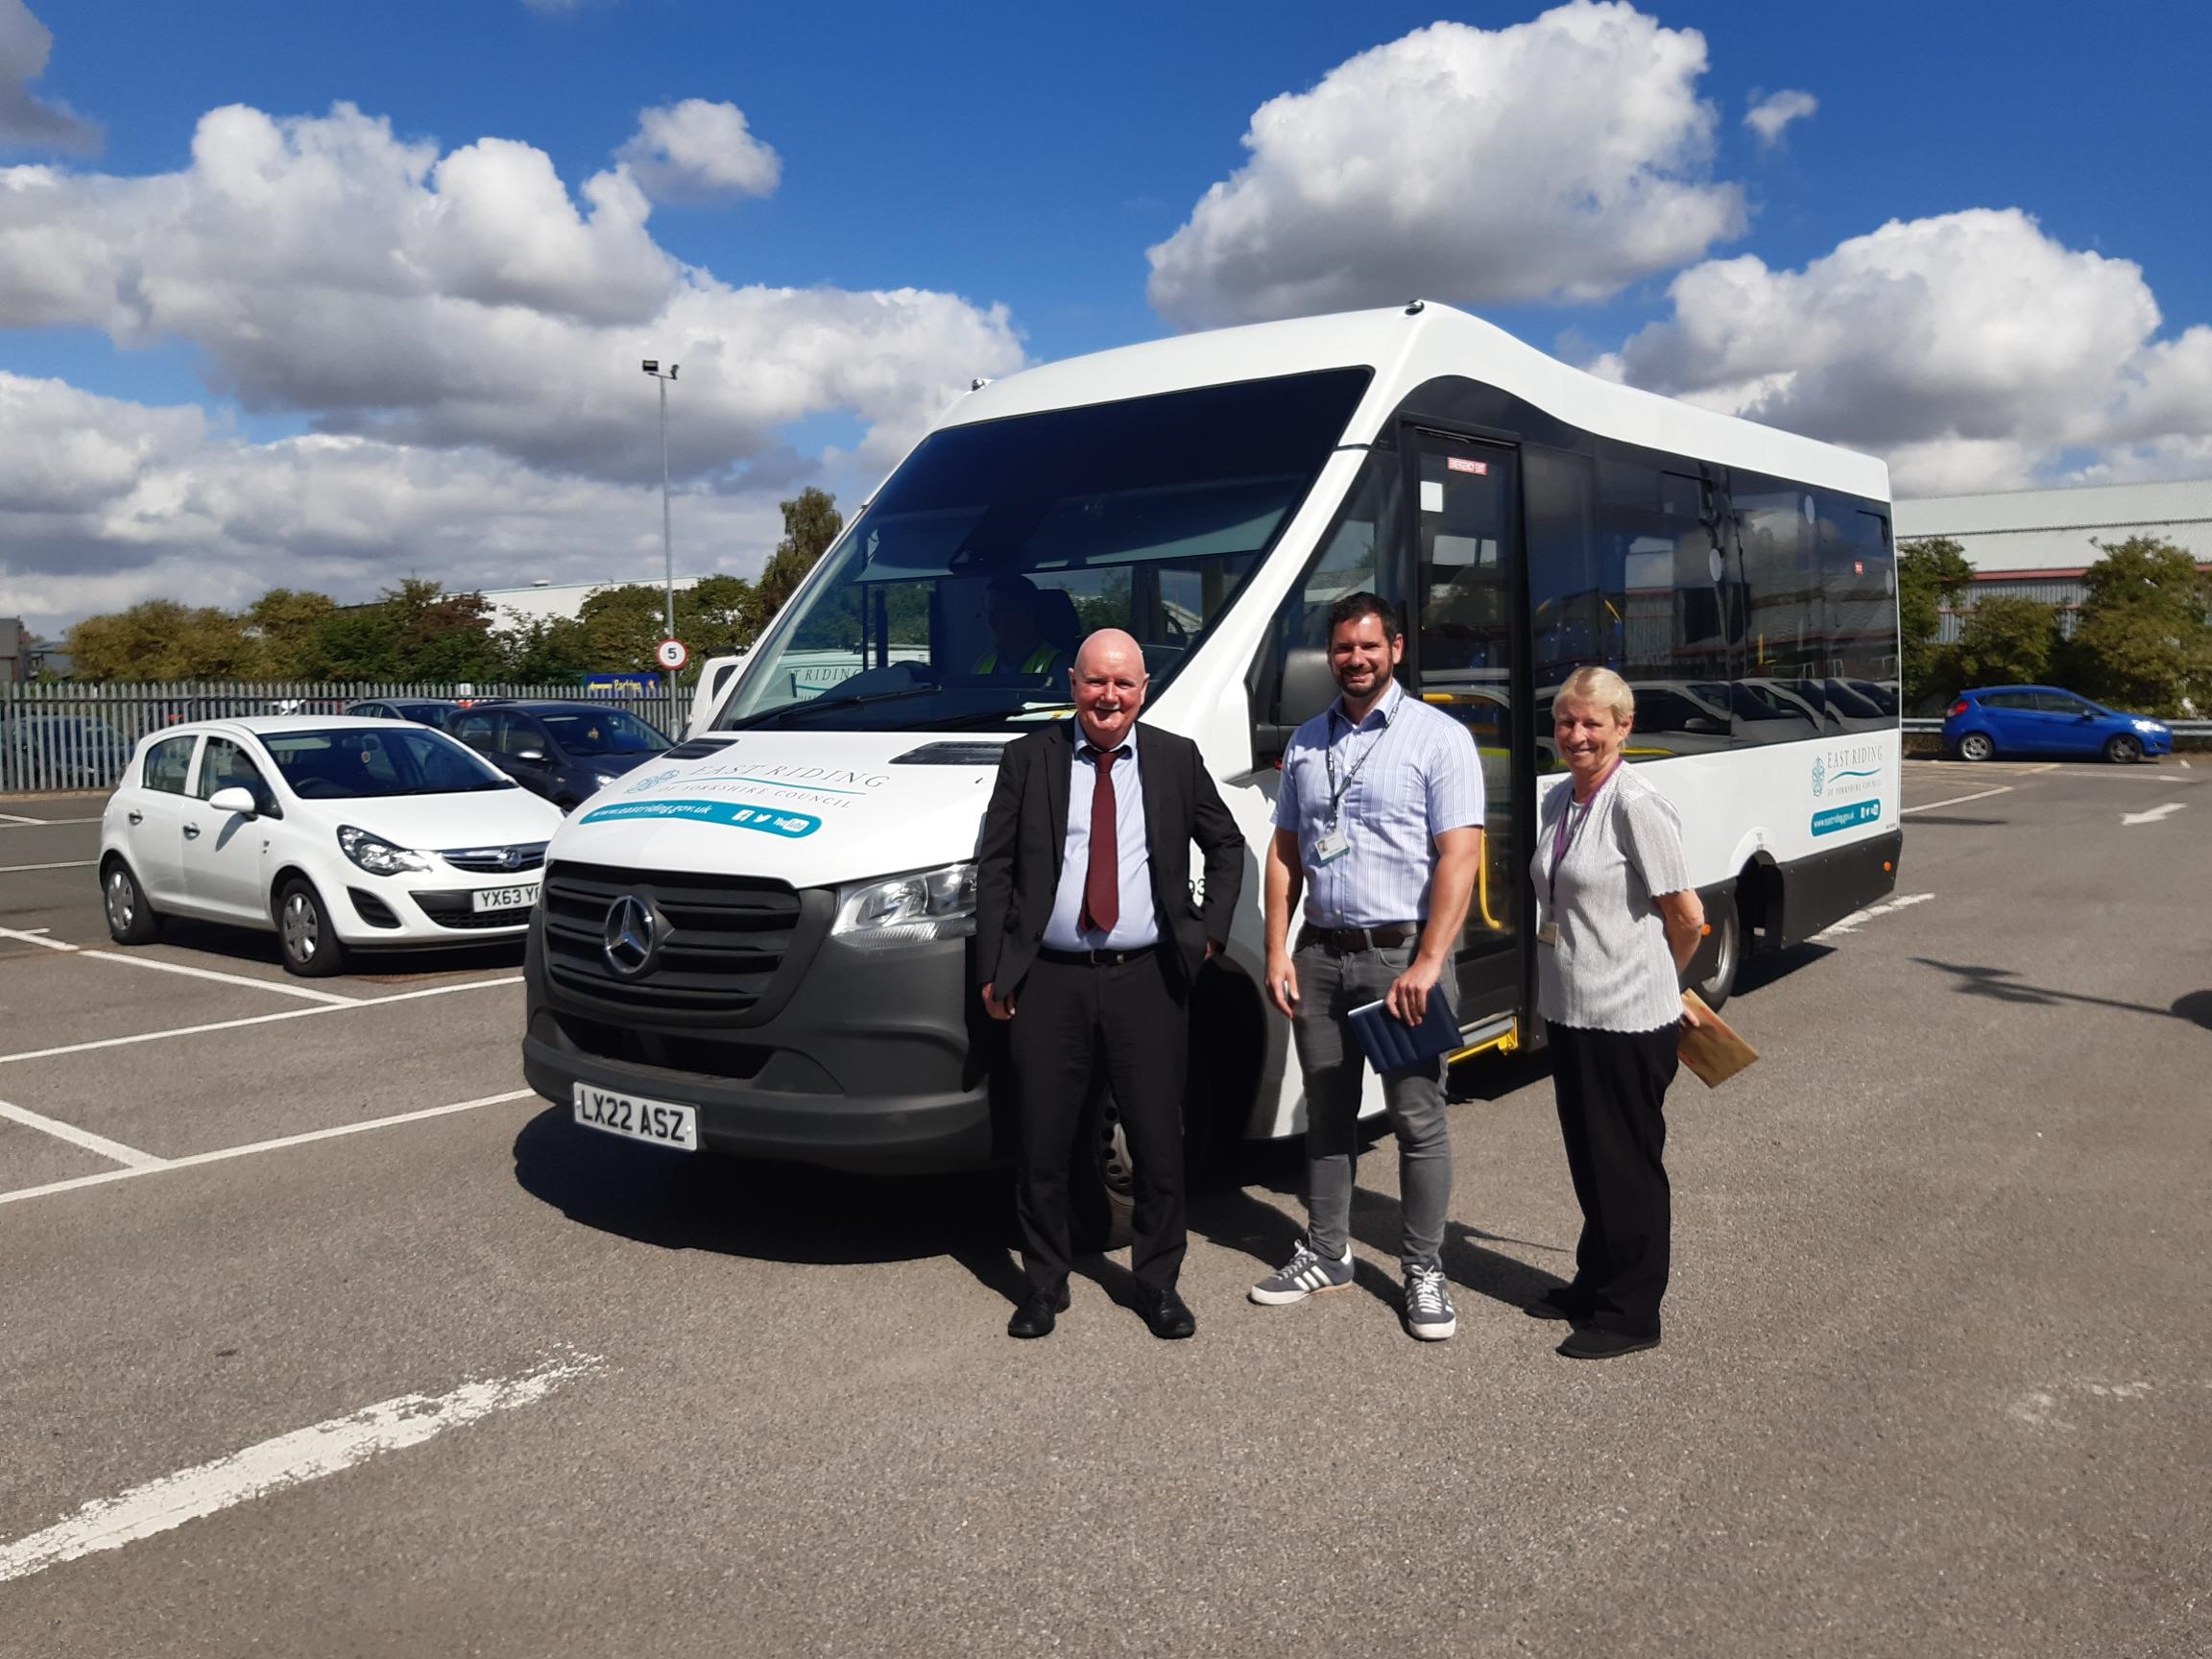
{"x": 1379, "y": 822}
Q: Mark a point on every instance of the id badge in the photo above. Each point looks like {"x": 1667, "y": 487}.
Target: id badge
{"x": 1332, "y": 846}
{"x": 1547, "y": 934}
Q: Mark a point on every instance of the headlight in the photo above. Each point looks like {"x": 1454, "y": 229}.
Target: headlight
{"x": 2152, "y": 726}
{"x": 375, "y": 854}
{"x": 935, "y": 904}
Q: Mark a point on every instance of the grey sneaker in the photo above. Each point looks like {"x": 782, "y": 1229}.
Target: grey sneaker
{"x": 1429, "y": 1314}
{"x": 1303, "y": 1275}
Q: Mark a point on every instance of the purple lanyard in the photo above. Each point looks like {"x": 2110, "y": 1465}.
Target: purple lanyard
{"x": 1569, "y": 826}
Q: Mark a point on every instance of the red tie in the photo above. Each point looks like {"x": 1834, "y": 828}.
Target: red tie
{"x": 1102, "y": 881}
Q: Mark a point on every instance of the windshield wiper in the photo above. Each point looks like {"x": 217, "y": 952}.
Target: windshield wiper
{"x": 822, "y": 705}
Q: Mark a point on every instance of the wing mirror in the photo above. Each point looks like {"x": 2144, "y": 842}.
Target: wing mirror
{"x": 235, "y": 799}
{"x": 537, "y": 757}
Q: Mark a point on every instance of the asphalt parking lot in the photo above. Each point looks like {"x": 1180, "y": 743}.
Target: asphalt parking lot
{"x": 325, "y": 1338}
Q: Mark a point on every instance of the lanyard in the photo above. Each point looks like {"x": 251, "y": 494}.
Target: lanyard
{"x": 1564, "y": 832}
{"x": 1336, "y": 790}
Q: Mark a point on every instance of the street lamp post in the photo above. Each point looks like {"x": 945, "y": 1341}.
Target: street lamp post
{"x": 652, "y": 366}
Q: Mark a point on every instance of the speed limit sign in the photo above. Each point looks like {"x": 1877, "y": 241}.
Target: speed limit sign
{"x": 672, "y": 654}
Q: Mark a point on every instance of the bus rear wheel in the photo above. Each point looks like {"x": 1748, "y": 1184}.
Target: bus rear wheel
{"x": 1716, "y": 986}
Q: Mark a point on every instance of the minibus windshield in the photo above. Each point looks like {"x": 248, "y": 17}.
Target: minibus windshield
{"x": 958, "y": 598}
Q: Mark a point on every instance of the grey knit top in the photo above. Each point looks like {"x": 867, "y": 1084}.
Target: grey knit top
{"x": 1611, "y": 970}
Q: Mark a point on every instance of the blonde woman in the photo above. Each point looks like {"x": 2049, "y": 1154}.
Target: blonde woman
{"x": 1616, "y": 923}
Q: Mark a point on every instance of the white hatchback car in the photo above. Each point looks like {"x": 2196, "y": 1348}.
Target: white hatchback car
{"x": 332, "y": 832}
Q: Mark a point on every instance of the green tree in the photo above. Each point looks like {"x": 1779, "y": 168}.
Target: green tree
{"x": 282, "y": 627}
{"x": 1933, "y": 576}
{"x": 811, "y": 521}
{"x": 546, "y": 649}
{"x": 621, "y": 626}
{"x": 717, "y": 617}
{"x": 2142, "y": 642}
{"x": 2007, "y": 641}
{"x": 159, "y": 639}
{"x": 414, "y": 632}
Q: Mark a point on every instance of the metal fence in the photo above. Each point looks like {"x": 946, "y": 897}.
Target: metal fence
{"x": 80, "y": 736}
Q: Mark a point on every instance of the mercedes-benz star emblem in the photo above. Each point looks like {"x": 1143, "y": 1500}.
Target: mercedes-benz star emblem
{"x": 631, "y": 938}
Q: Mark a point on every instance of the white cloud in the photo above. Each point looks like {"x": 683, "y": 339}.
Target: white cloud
{"x": 36, "y": 123}
{"x": 1560, "y": 158}
{"x": 698, "y": 151}
{"x": 1972, "y": 350}
{"x": 105, "y": 502}
{"x": 324, "y": 266}
{"x": 1769, "y": 115}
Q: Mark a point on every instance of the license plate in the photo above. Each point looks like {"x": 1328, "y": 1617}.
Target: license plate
{"x": 503, "y": 898}
{"x": 661, "y": 1123}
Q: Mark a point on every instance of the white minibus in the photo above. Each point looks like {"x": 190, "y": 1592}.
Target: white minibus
{"x": 761, "y": 945}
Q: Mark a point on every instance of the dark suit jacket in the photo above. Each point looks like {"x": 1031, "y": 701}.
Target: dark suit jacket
{"x": 1026, "y": 835}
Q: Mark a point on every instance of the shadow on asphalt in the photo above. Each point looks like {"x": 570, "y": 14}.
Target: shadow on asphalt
{"x": 2005, "y": 985}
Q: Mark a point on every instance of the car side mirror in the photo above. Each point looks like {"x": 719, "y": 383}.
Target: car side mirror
{"x": 235, "y": 799}
{"x": 537, "y": 757}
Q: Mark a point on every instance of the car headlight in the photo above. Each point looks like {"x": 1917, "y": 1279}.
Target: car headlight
{"x": 2153, "y": 727}
{"x": 375, "y": 854}
{"x": 605, "y": 779}
{"x": 934, "y": 904}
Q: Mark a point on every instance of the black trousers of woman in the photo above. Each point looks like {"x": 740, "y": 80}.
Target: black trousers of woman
{"x": 1611, "y": 1087}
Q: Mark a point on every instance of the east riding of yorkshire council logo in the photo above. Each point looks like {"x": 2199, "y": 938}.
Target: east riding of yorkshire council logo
{"x": 1819, "y": 777}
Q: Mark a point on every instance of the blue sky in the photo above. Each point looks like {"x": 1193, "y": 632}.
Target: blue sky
{"x": 205, "y": 401}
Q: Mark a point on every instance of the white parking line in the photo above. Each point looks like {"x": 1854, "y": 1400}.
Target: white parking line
{"x": 35, "y": 936}
{"x": 2154, "y": 814}
{"x": 14, "y": 817}
{"x": 1960, "y": 800}
{"x": 301, "y": 991}
{"x": 72, "y": 864}
{"x": 1852, "y": 923}
{"x": 249, "y": 1019}
{"x": 259, "y": 1471}
{"x": 251, "y": 1148}
{"x": 129, "y": 1156}
{"x": 10, "y": 821}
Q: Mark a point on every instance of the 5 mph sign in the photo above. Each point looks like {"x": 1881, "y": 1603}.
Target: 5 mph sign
{"x": 672, "y": 654}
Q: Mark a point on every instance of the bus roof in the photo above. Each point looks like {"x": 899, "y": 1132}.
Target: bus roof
{"x": 1406, "y": 347}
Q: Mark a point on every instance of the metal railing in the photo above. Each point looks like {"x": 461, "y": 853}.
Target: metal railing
{"x": 80, "y": 736}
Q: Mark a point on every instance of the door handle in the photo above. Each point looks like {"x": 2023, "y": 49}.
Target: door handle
{"x": 191, "y": 831}
{"x": 137, "y": 817}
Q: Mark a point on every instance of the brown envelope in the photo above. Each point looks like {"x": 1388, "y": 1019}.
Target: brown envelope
{"x": 1712, "y": 1050}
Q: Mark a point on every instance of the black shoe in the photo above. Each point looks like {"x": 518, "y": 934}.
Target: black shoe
{"x": 1588, "y": 1343}
{"x": 1039, "y": 1314}
{"x": 1166, "y": 1314}
{"x": 1561, "y": 1302}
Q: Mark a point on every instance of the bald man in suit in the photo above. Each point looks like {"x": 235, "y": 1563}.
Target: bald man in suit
{"x": 1088, "y": 944}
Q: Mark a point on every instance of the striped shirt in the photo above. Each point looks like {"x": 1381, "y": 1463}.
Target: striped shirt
{"x": 1611, "y": 970}
{"x": 1394, "y": 782}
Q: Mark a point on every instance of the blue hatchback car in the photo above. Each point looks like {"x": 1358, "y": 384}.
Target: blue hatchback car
{"x": 2045, "y": 720}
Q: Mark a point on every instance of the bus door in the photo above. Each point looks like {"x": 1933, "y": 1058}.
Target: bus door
{"x": 1464, "y": 656}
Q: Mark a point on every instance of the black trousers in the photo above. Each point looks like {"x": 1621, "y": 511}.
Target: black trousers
{"x": 1073, "y": 1023}
{"x": 1611, "y": 1086}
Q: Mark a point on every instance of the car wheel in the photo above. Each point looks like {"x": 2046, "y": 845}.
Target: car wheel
{"x": 1101, "y": 1188}
{"x": 1976, "y": 746}
{"x": 2122, "y": 749}
{"x": 1718, "y": 986}
{"x": 131, "y": 920}
{"x": 311, "y": 946}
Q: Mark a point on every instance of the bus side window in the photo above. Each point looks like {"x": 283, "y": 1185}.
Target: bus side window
{"x": 1290, "y": 682}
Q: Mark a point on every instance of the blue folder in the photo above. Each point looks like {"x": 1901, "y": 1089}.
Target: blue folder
{"x": 1392, "y": 1045}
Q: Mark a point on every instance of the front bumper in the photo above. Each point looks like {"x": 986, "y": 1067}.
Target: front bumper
{"x": 433, "y": 909}
{"x": 876, "y": 1061}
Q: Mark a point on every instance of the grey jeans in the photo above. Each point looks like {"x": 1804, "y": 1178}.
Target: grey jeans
{"x": 1329, "y": 988}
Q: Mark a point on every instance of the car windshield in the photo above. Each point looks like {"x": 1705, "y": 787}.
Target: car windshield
{"x": 959, "y": 595}
{"x": 348, "y": 762}
{"x": 588, "y": 732}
